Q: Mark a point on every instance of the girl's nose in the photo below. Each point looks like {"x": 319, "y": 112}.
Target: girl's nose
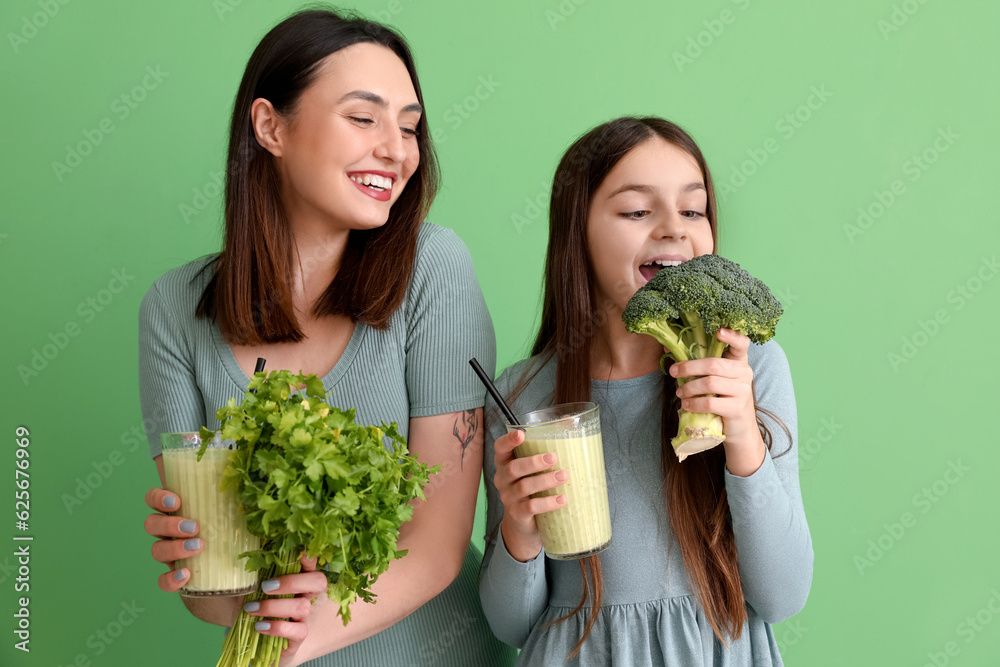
{"x": 672, "y": 225}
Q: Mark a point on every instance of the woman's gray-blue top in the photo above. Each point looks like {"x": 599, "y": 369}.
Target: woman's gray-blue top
{"x": 418, "y": 367}
{"x": 650, "y": 615}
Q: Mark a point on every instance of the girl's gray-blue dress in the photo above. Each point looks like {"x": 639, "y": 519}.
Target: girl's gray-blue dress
{"x": 650, "y": 616}
{"x": 418, "y": 367}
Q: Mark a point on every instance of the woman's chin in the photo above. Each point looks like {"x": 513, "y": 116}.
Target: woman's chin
{"x": 369, "y": 223}
{"x": 361, "y": 220}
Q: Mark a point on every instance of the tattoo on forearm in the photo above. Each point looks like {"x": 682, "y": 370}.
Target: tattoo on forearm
{"x": 466, "y": 425}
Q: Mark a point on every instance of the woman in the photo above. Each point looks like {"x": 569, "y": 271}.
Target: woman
{"x": 706, "y": 554}
{"x": 326, "y": 268}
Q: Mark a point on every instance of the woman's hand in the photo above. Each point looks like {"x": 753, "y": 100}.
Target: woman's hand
{"x": 167, "y": 549}
{"x": 304, "y": 586}
{"x": 729, "y": 378}
{"x": 516, "y": 480}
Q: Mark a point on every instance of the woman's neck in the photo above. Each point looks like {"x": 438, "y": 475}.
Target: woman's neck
{"x": 317, "y": 254}
{"x": 616, "y": 354}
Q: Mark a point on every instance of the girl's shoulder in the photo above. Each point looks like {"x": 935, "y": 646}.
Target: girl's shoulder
{"x": 772, "y": 378}
{"x": 538, "y": 368}
{"x": 530, "y": 382}
{"x": 768, "y": 360}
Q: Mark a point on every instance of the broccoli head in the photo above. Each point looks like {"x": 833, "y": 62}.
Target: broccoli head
{"x": 683, "y": 307}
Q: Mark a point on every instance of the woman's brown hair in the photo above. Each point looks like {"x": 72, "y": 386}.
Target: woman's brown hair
{"x": 695, "y": 495}
{"x": 249, "y": 294}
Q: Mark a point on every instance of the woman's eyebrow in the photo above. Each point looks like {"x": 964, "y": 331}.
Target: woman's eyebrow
{"x": 375, "y": 98}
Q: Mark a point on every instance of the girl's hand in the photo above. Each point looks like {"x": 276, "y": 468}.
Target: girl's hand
{"x": 168, "y": 550}
{"x": 729, "y": 378}
{"x": 516, "y": 481}
{"x": 305, "y": 586}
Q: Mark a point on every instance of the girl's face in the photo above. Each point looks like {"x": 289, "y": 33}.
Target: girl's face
{"x": 651, "y": 209}
{"x": 355, "y": 124}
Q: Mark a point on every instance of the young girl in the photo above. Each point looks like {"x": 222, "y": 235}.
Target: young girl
{"x": 328, "y": 268}
{"x": 705, "y": 555}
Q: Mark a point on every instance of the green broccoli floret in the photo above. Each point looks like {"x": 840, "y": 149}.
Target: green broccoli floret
{"x": 683, "y": 307}
{"x": 649, "y": 313}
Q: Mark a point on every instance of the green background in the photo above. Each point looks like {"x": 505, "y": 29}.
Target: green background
{"x": 877, "y": 432}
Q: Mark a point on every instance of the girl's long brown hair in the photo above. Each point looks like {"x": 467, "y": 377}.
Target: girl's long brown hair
{"x": 695, "y": 493}
{"x": 249, "y": 294}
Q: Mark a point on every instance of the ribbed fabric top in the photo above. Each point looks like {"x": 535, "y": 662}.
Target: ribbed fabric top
{"x": 417, "y": 367}
{"x": 650, "y": 615}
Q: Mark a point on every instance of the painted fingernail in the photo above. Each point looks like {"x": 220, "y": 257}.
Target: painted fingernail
{"x": 188, "y": 526}
{"x": 251, "y": 606}
{"x": 261, "y": 626}
{"x": 170, "y": 501}
{"x": 560, "y": 475}
{"x": 270, "y": 585}
{"x": 191, "y": 545}
{"x": 179, "y": 574}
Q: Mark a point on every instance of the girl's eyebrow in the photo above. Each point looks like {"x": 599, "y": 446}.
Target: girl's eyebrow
{"x": 633, "y": 187}
{"x": 375, "y": 98}
{"x": 649, "y": 189}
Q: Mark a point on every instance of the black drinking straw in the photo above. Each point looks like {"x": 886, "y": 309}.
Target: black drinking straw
{"x": 493, "y": 392}
{"x": 258, "y": 368}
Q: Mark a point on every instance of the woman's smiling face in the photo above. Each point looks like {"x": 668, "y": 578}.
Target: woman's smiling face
{"x": 349, "y": 147}
{"x": 650, "y": 210}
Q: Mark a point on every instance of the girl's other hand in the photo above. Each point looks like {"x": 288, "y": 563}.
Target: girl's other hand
{"x": 178, "y": 537}
{"x": 516, "y": 480}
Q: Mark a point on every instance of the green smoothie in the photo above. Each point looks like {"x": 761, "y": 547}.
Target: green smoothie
{"x": 217, "y": 570}
{"x": 582, "y": 526}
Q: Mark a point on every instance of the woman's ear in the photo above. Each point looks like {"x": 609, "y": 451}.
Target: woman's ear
{"x": 268, "y": 125}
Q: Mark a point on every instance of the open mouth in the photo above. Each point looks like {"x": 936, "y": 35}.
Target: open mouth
{"x": 376, "y": 186}
{"x": 649, "y": 270}
{"x": 373, "y": 182}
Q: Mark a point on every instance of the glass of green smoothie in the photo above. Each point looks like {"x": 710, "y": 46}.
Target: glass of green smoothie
{"x": 217, "y": 570}
{"x": 581, "y": 527}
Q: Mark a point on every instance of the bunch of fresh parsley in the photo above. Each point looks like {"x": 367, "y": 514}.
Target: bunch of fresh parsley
{"x": 312, "y": 480}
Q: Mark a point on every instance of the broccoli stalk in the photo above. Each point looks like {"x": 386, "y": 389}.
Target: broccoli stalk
{"x": 670, "y": 339}
{"x": 683, "y": 307}
{"x": 696, "y": 432}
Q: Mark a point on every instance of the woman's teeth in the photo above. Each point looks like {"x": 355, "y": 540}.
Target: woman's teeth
{"x": 667, "y": 262}
{"x": 374, "y": 182}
